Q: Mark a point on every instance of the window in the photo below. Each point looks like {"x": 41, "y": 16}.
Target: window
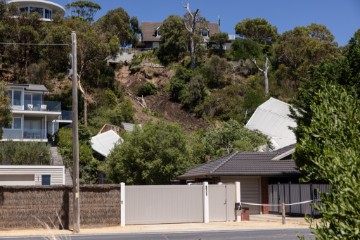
{"x": 48, "y": 14}
{"x": 205, "y": 33}
{"x": 40, "y": 11}
{"x": 37, "y": 100}
{"x": 24, "y": 9}
{"x": 46, "y": 180}
{"x": 16, "y": 123}
{"x": 17, "y": 98}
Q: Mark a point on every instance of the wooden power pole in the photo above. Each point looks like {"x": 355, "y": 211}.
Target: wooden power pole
{"x": 75, "y": 136}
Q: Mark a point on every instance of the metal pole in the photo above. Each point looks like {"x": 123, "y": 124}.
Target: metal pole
{"x": 75, "y": 135}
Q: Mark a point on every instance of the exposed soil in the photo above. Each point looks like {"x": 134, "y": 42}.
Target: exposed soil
{"x": 157, "y": 106}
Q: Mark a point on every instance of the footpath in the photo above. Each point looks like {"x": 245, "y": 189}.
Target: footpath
{"x": 257, "y": 222}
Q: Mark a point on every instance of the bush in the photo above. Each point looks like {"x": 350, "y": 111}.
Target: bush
{"x": 178, "y": 82}
{"x": 24, "y": 153}
{"x": 146, "y": 89}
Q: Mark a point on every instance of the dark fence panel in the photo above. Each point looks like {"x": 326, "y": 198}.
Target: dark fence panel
{"x": 295, "y": 193}
{"x": 37, "y": 206}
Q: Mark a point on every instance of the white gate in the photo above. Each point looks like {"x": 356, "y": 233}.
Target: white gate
{"x": 179, "y": 203}
{"x": 222, "y": 202}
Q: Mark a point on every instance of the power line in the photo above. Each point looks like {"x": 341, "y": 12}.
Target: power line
{"x": 35, "y": 44}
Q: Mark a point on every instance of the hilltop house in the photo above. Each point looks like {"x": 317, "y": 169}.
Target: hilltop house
{"x": 46, "y": 9}
{"x": 33, "y": 118}
{"x": 151, "y": 33}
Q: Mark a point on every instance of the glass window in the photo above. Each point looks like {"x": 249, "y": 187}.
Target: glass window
{"x": 17, "y": 98}
{"x": 48, "y": 14}
{"x": 205, "y": 33}
{"x": 40, "y": 11}
{"x": 16, "y": 123}
{"x": 36, "y": 100}
{"x": 45, "y": 180}
{"x": 24, "y": 9}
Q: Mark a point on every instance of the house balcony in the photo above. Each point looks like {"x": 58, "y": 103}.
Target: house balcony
{"x": 40, "y": 106}
{"x": 38, "y": 135}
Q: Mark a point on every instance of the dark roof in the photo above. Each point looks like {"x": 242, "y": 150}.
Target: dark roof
{"x": 213, "y": 28}
{"x": 29, "y": 87}
{"x": 247, "y": 164}
{"x": 148, "y": 31}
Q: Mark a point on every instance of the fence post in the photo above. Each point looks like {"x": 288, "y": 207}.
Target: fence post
{"x": 312, "y": 198}
{"x": 283, "y": 212}
{"x": 237, "y": 202}
{"x": 206, "y": 201}
{"x": 284, "y": 195}
{"x": 122, "y": 204}
{"x": 290, "y": 197}
{"x": 300, "y": 198}
{"x": 278, "y": 195}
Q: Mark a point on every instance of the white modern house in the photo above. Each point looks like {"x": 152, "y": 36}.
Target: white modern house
{"x": 33, "y": 119}
{"x": 46, "y": 9}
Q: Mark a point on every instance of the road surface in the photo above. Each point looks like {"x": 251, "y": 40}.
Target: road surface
{"x": 284, "y": 234}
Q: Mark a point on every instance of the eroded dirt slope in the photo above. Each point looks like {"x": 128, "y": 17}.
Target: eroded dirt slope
{"x": 157, "y": 106}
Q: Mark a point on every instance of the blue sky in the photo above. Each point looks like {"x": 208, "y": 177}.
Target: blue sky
{"x": 342, "y": 18}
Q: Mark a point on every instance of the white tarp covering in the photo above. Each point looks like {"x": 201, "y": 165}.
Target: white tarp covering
{"x": 272, "y": 119}
{"x": 105, "y": 142}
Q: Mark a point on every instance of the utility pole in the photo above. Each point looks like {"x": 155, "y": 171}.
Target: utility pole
{"x": 75, "y": 136}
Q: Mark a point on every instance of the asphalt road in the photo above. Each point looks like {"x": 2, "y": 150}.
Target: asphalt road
{"x": 284, "y": 234}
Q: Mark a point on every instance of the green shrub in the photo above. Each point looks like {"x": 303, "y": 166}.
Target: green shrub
{"x": 146, "y": 89}
{"x": 178, "y": 82}
{"x": 24, "y": 153}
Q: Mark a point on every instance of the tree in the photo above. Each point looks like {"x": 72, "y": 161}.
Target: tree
{"x": 344, "y": 71}
{"x": 135, "y": 31}
{"x": 302, "y": 48}
{"x": 193, "y": 93}
{"x": 230, "y": 137}
{"x": 326, "y": 110}
{"x": 220, "y": 39}
{"x": 264, "y": 71}
{"x": 243, "y": 49}
{"x": 178, "y": 82}
{"x": 5, "y": 110}
{"x": 117, "y": 22}
{"x": 258, "y": 30}
{"x": 192, "y": 20}
{"x": 84, "y": 10}
{"x": 155, "y": 154}
{"x": 330, "y": 145}
{"x": 215, "y": 72}
{"x": 172, "y": 41}
{"x": 88, "y": 165}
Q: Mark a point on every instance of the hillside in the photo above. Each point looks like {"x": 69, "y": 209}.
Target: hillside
{"x": 158, "y": 106}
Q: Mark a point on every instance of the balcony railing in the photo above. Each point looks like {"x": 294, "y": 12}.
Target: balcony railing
{"x": 13, "y": 134}
{"x": 46, "y": 106}
{"x": 66, "y": 115}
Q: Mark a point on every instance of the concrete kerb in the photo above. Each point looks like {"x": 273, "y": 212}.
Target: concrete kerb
{"x": 161, "y": 228}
